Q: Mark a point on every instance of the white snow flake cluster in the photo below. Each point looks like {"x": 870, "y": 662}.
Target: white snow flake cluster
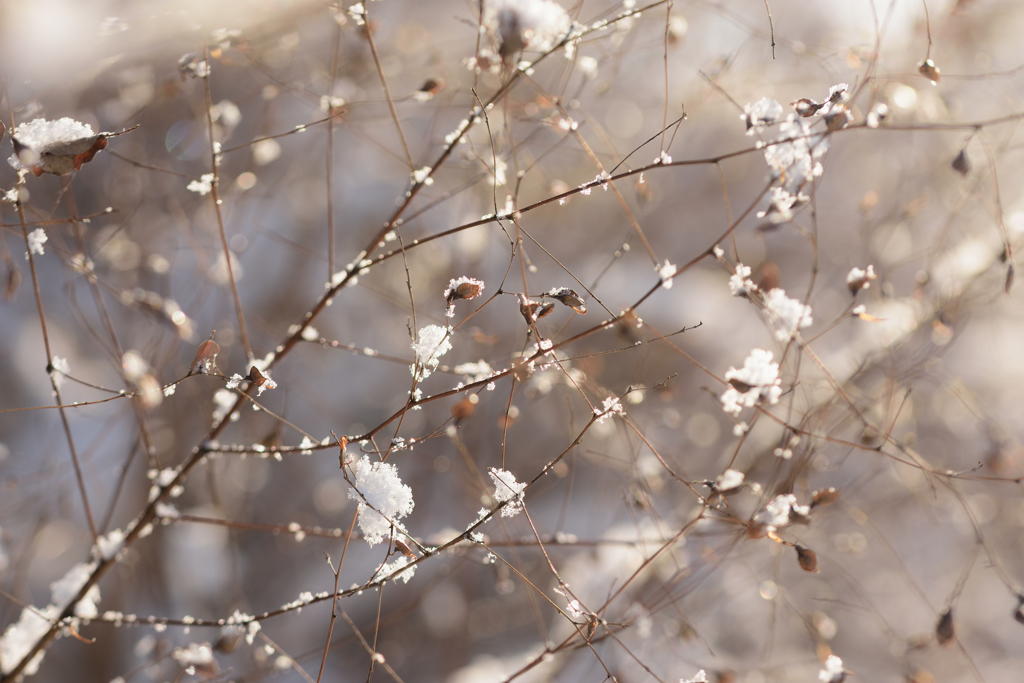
{"x": 610, "y": 406}
{"x": 758, "y": 380}
{"x": 740, "y": 283}
{"x": 764, "y": 112}
{"x": 396, "y": 570}
{"x": 475, "y": 371}
{"x": 833, "y": 671}
{"x": 383, "y": 498}
{"x": 432, "y": 342}
{"x": 728, "y": 480}
{"x": 506, "y": 488}
{"x": 36, "y": 239}
{"x": 21, "y": 636}
{"x": 788, "y": 316}
{"x": 666, "y": 272}
{"x": 858, "y": 279}
{"x": 518, "y": 24}
{"x": 203, "y": 186}
{"x": 57, "y": 147}
{"x": 40, "y": 134}
{"x": 796, "y": 155}
{"x": 782, "y": 511}
{"x": 60, "y": 370}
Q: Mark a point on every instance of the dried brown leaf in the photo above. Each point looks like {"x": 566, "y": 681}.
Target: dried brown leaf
{"x": 807, "y": 558}
{"x": 464, "y": 409}
{"x": 824, "y": 497}
{"x": 206, "y": 358}
{"x": 256, "y": 377}
{"x": 404, "y": 548}
{"x": 961, "y": 164}
{"x": 945, "y": 630}
{"x": 928, "y": 69}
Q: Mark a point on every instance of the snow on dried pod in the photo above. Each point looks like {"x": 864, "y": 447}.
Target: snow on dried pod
{"x": 56, "y": 147}
{"x": 534, "y": 310}
{"x": 567, "y": 297}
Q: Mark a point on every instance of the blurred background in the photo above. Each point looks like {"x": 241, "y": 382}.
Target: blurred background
{"x": 913, "y": 411}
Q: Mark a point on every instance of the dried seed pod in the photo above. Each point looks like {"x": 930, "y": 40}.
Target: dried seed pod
{"x": 807, "y": 558}
{"x": 768, "y": 276}
{"x": 643, "y": 190}
{"x": 534, "y": 310}
{"x": 756, "y": 530}
{"x": 858, "y": 279}
{"x": 228, "y": 641}
{"x": 432, "y": 86}
{"x": 928, "y": 69}
{"x": 945, "y": 630}
{"x": 463, "y": 288}
{"x": 404, "y": 548}
{"x": 919, "y": 675}
{"x": 740, "y": 385}
{"x": 256, "y": 377}
{"x": 13, "y": 281}
{"x": 838, "y": 118}
{"x": 206, "y": 357}
{"x": 567, "y": 297}
{"x": 342, "y": 442}
{"x": 824, "y": 496}
{"x": 464, "y": 409}
{"x": 806, "y": 107}
{"x": 961, "y": 164}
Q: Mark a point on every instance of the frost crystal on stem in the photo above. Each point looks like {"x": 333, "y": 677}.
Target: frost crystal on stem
{"x": 610, "y": 406}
